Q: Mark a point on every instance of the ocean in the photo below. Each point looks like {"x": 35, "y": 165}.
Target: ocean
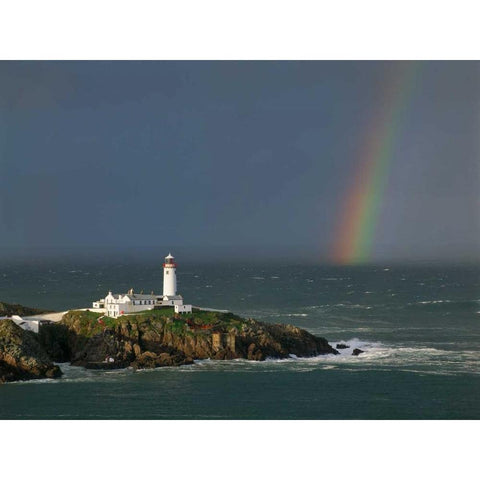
{"x": 419, "y": 326}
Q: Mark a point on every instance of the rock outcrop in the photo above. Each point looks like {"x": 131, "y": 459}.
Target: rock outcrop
{"x": 341, "y": 346}
{"x": 22, "y": 357}
{"x": 156, "y": 338}
{"x": 159, "y": 338}
{"x": 9, "y": 309}
{"x": 357, "y": 351}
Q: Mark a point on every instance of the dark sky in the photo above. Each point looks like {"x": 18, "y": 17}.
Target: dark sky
{"x": 250, "y": 157}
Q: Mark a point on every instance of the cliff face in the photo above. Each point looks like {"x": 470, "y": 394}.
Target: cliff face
{"x": 22, "y": 357}
{"x": 158, "y": 338}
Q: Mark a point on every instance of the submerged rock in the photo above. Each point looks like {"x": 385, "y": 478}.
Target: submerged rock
{"x": 153, "y": 360}
{"x": 22, "y": 357}
{"x": 357, "y": 352}
{"x": 341, "y": 346}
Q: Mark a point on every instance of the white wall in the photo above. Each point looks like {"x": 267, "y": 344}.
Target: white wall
{"x": 169, "y": 281}
{"x": 183, "y": 309}
{"x": 115, "y": 309}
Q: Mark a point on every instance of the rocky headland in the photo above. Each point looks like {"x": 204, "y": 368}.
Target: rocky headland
{"x": 22, "y": 357}
{"x": 158, "y": 338}
{"x": 9, "y": 309}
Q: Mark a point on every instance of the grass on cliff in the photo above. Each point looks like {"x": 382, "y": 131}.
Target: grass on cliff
{"x": 8, "y": 309}
{"x": 198, "y": 322}
{"x": 199, "y": 317}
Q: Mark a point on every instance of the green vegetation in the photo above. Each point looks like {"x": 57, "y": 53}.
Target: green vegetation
{"x": 199, "y": 317}
{"x": 86, "y": 314}
{"x": 199, "y": 322}
{"x": 87, "y": 321}
{"x": 177, "y": 327}
{"x": 229, "y": 320}
{"x": 8, "y": 309}
{"x": 166, "y": 312}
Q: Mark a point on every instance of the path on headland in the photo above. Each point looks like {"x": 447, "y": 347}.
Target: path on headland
{"x": 53, "y": 317}
{"x": 57, "y": 316}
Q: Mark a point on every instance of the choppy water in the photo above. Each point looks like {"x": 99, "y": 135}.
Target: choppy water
{"x": 419, "y": 327}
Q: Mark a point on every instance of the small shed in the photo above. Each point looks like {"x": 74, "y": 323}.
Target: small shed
{"x": 183, "y": 309}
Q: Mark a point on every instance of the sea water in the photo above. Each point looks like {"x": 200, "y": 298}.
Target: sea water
{"x": 419, "y": 327}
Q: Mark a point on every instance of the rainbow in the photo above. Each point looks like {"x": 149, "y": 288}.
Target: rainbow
{"x": 361, "y": 206}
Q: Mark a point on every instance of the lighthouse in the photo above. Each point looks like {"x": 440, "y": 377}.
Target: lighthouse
{"x": 169, "y": 276}
{"x": 115, "y": 305}
{"x": 170, "y": 297}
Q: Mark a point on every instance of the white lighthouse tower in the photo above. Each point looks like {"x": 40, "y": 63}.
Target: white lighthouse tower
{"x": 169, "y": 277}
{"x": 170, "y": 297}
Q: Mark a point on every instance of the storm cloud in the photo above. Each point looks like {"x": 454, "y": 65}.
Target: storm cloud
{"x": 247, "y": 157}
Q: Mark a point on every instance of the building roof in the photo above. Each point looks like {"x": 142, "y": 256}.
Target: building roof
{"x": 134, "y": 296}
{"x": 140, "y": 296}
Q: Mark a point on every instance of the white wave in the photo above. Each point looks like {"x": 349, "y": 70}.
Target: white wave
{"x": 353, "y": 305}
{"x": 331, "y": 279}
{"x": 339, "y": 305}
{"x": 431, "y": 302}
{"x": 419, "y": 359}
{"x": 428, "y": 360}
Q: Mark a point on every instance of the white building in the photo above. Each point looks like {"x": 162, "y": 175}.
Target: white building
{"x": 183, "y": 309}
{"x": 26, "y": 323}
{"x": 120, "y": 304}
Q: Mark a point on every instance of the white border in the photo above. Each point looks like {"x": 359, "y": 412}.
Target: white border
{"x": 261, "y": 29}
{"x": 239, "y": 450}
{"x": 220, "y": 29}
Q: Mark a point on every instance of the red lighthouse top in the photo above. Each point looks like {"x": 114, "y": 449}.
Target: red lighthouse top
{"x": 169, "y": 261}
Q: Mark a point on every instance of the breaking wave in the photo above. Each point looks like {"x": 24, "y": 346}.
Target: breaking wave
{"x": 339, "y": 305}
{"x": 376, "y": 356}
{"x": 431, "y": 302}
